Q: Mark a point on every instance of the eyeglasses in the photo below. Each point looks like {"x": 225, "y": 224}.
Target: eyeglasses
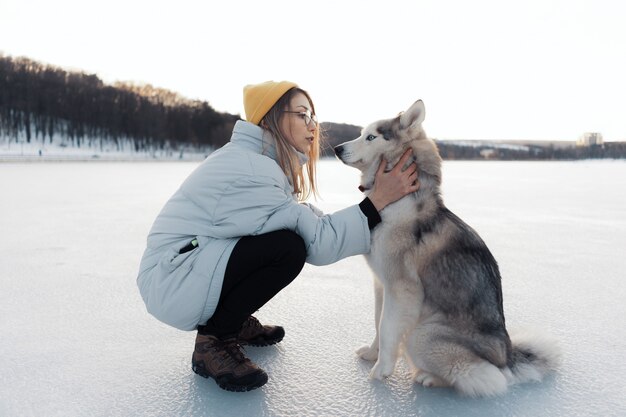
{"x": 306, "y": 116}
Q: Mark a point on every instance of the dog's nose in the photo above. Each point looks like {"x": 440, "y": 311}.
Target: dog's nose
{"x": 338, "y": 150}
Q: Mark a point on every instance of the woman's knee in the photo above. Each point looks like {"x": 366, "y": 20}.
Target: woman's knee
{"x": 292, "y": 248}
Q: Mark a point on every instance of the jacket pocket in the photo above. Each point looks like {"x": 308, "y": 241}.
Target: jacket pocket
{"x": 174, "y": 259}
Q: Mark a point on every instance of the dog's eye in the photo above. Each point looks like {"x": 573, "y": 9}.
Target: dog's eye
{"x": 370, "y": 137}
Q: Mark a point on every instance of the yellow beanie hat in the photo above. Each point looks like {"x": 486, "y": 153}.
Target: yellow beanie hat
{"x": 258, "y": 99}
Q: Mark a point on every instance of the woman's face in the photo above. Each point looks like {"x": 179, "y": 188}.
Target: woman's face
{"x": 298, "y": 124}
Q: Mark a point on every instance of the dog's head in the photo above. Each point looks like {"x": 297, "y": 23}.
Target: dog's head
{"x": 389, "y": 139}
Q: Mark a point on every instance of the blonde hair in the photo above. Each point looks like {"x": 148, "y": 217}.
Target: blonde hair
{"x": 304, "y": 181}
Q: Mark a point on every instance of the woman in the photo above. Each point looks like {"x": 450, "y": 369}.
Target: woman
{"x": 235, "y": 234}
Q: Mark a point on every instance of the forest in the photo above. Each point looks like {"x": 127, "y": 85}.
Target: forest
{"x": 42, "y": 101}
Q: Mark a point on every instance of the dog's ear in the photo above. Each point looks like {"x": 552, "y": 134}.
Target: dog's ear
{"x": 414, "y": 115}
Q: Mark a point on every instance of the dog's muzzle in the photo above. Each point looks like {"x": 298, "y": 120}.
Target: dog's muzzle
{"x": 339, "y": 150}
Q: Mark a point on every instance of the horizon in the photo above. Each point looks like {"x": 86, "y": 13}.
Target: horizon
{"x": 542, "y": 70}
{"x": 540, "y": 141}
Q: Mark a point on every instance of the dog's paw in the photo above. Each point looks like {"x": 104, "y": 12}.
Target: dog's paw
{"x": 429, "y": 380}
{"x": 380, "y": 371}
{"x": 367, "y": 353}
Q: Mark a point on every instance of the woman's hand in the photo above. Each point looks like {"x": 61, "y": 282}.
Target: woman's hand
{"x": 395, "y": 184}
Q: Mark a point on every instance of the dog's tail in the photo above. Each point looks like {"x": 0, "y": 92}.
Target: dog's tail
{"x": 534, "y": 355}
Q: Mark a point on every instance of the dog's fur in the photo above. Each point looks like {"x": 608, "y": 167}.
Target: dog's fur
{"x": 437, "y": 286}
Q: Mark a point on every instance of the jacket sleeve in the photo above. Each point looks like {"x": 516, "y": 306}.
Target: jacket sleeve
{"x": 257, "y": 205}
{"x": 317, "y": 211}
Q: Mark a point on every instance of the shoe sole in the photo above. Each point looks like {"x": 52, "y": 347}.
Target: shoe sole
{"x": 201, "y": 371}
{"x": 260, "y": 342}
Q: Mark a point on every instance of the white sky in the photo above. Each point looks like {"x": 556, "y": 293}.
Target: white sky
{"x": 533, "y": 69}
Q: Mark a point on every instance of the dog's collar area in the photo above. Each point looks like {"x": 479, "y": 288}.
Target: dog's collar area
{"x": 364, "y": 189}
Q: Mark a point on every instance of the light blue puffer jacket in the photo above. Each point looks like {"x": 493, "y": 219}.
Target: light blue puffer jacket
{"x": 239, "y": 190}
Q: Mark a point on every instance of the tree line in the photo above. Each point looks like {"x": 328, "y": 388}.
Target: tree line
{"x": 609, "y": 150}
{"x": 337, "y": 133}
{"x": 41, "y": 101}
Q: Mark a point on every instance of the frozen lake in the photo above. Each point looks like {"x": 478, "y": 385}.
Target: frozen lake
{"x": 76, "y": 340}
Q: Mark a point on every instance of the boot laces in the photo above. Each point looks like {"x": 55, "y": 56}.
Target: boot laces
{"x": 252, "y": 322}
{"x": 233, "y": 354}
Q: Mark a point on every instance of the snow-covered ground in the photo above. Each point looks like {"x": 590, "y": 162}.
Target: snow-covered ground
{"x": 61, "y": 150}
{"x": 75, "y": 339}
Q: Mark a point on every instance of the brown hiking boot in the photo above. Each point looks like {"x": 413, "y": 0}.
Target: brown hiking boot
{"x": 255, "y": 334}
{"x": 223, "y": 361}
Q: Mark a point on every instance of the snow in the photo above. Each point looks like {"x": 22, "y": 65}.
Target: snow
{"x": 489, "y": 144}
{"x": 76, "y": 339}
{"x": 91, "y": 149}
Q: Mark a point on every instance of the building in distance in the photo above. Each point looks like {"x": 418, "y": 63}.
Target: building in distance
{"x": 590, "y": 139}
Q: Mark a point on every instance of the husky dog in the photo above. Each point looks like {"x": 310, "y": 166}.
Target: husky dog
{"x": 437, "y": 286}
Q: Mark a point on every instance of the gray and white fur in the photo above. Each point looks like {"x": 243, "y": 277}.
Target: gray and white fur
{"x": 438, "y": 293}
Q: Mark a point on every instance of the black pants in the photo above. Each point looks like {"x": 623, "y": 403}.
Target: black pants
{"x": 258, "y": 268}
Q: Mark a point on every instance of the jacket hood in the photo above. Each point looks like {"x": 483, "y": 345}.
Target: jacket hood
{"x": 259, "y": 140}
